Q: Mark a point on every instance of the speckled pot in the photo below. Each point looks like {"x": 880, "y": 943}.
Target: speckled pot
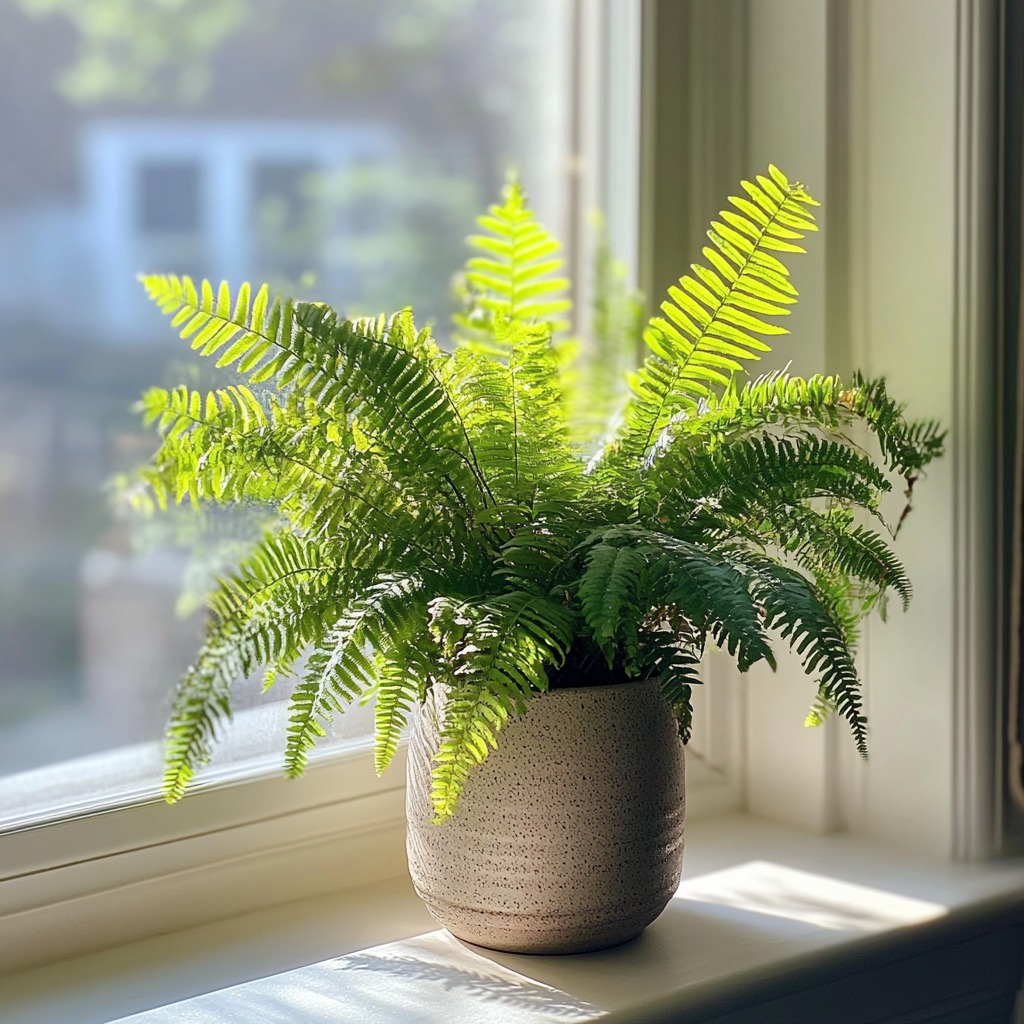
{"x": 569, "y": 837}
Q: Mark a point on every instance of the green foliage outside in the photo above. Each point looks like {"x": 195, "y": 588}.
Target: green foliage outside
{"x": 442, "y": 522}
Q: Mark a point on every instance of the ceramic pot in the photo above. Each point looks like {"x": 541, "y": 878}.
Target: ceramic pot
{"x": 569, "y": 837}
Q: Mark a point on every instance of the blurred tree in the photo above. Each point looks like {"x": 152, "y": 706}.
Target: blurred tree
{"x": 144, "y": 51}
{"x": 452, "y": 78}
{"x": 454, "y": 67}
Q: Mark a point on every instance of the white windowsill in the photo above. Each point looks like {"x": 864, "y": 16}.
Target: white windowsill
{"x": 757, "y": 901}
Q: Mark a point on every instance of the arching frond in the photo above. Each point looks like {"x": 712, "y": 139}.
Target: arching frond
{"x": 346, "y": 368}
{"x": 311, "y": 467}
{"x": 675, "y": 667}
{"x": 408, "y": 670}
{"x": 830, "y": 546}
{"x": 277, "y": 558}
{"x": 503, "y": 648}
{"x": 614, "y": 597}
{"x": 347, "y": 662}
{"x": 752, "y": 474}
{"x": 535, "y": 557}
{"x": 513, "y": 275}
{"x": 713, "y": 320}
{"x": 268, "y": 633}
{"x": 788, "y": 402}
{"x": 710, "y": 589}
{"x": 830, "y": 543}
{"x": 792, "y": 606}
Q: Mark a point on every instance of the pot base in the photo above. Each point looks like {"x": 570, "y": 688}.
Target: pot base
{"x": 569, "y": 837}
{"x": 555, "y": 934}
{"x": 556, "y": 949}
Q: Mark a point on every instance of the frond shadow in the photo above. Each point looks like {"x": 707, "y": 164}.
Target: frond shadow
{"x": 518, "y": 993}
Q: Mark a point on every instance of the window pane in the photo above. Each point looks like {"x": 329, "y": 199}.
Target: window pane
{"x": 169, "y": 197}
{"x": 337, "y": 148}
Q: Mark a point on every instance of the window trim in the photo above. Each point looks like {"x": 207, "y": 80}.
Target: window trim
{"x": 860, "y": 74}
{"x": 814, "y": 780}
{"x": 252, "y": 842}
{"x": 228, "y": 847}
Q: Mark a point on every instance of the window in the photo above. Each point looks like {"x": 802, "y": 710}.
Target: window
{"x": 904, "y": 218}
{"x": 898, "y": 284}
{"x": 287, "y": 221}
{"x": 169, "y": 197}
{"x": 347, "y": 161}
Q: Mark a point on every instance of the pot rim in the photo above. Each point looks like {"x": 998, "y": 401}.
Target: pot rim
{"x": 627, "y": 684}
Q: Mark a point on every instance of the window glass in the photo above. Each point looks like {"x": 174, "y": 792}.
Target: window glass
{"x": 169, "y": 198}
{"x": 339, "y": 149}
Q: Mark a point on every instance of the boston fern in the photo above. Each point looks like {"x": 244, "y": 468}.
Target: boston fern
{"x": 440, "y": 525}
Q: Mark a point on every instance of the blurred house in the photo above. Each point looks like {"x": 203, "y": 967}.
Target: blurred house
{"x": 204, "y": 197}
{"x": 321, "y": 146}
{"x": 90, "y": 195}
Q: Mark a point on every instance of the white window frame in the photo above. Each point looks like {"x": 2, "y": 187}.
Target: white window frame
{"x": 226, "y": 152}
{"x": 239, "y": 842}
{"x": 928, "y": 676}
{"x": 883, "y": 107}
{"x": 112, "y": 877}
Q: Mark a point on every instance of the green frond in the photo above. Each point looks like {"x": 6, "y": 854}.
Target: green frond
{"x": 271, "y": 632}
{"x": 346, "y": 663}
{"x": 535, "y": 557}
{"x": 907, "y": 446}
{"x": 713, "y": 321}
{"x": 514, "y": 414}
{"x": 202, "y": 701}
{"x": 613, "y": 594}
{"x": 859, "y": 554}
{"x": 710, "y": 589}
{"x": 759, "y": 475}
{"x": 830, "y": 546}
{"x": 354, "y": 370}
{"x": 503, "y": 648}
{"x": 792, "y": 606}
{"x": 675, "y": 667}
{"x": 307, "y": 463}
{"x": 279, "y": 557}
{"x": 175, "y": 412}
{"x": 408, "y": 670}
{"x": 825, "y": 403}
{"x": 513, "y": 275}
{"x": 398, "y": 687}
{"x": 776, "y": 398}
{"x": 196, "y": 459}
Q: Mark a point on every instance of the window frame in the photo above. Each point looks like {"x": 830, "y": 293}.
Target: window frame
{"x": 834, "y": 91}
{"x": 242, "y": 841}
{"x": 934, "y": 713}
{"x": 228, "y": 847}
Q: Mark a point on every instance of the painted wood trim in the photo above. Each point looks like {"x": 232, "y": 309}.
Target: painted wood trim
{"x": 972, "y": 432}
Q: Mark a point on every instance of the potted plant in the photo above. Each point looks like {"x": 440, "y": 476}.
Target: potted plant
{"x": 445, "y": 544}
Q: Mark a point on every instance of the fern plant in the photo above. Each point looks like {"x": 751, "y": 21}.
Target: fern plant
{"x": 439, "y": 524}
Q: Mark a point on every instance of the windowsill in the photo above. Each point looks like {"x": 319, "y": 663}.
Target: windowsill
{"x": 747, "y": 916}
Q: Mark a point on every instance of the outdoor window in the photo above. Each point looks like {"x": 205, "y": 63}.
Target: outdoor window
{"x": 169, "y": 197}
{"x": 338, "y": 150}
